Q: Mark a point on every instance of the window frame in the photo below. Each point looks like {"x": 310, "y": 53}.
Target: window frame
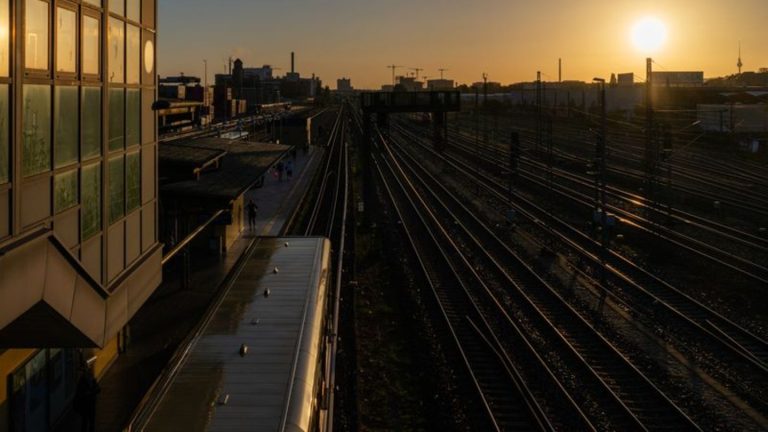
{"x": 66, "y": 74}
{"x": 97, "y": 15}
{"x": 32, "y": 72}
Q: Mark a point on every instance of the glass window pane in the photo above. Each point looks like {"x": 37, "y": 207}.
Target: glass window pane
{"x": 133, "y": 118}
{"x": 65, "y": 191}
{"x": 116, "y": 119}
{"x": 5, "y": 26}
{"x": 65, "y": 126}
{"x": 116, "y": 51}
{"x": 36, "y": 129}
{"x": 90, "y": 198}
{"x": 36, "y": 25}
{"x": 91, "y": 51}
{"x": 91, "y": 122}
{"x": 133, "y": 57}
{"x": 133, "y": 11}
{"x": 66, "y": 40}
{"x": 116, "y": 188}
{"x": 117, "y": 7}
{"x": 132, "y": 181}
{"x": 4, "y": 145}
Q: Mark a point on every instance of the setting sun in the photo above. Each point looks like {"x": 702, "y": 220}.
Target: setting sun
{"x": 649, "y": 35}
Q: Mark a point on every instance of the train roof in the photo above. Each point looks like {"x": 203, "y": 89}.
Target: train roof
{"x": 216, "y": 388}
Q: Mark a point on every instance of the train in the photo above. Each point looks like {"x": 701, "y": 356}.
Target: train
{"x": 272, "y": 108}
{"x": 261, "y": 360}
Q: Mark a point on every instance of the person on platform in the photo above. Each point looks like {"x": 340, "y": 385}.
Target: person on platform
{"x": 252, "y": 208}
{"x": 289, "y": 170}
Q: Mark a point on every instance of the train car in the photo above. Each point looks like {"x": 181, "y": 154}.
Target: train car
{"x": 259, "y": 361}
{"x": 273, "y": 108}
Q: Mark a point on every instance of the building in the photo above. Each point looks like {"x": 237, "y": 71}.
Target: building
{"x": 78, "y": 194}
{"x": 440, "y": 84}
{"x": 626, "y": 79}
{"x": 344, "y": 85}
{"x": 408, "y": 84}
{"x": 263, "y": 73}
{"x": 183, "y": 104}
{"x": 678, "y": 79}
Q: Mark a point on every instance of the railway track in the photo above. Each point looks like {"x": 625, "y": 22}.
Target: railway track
{"x": 506, "y": 402}
{"x": 745, "y": 253}
{"x": 677, "y": 311}
{"x": 633, "y": 400}
{"x": 711, "y": 252}
{"x": 736, "y": 190}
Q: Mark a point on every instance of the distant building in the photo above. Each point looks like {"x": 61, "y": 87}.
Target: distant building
{"x": 626, "y": 79}
{"x": 408, "y": 84}
{"x": 387, "y": 88}
{"x": 678, "y": 79}
{"x": 440, "y": 84}
{"x": 263, "y": 73}
{"x": 344, "y": 85}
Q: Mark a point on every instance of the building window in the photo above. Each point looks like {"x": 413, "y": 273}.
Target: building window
{"x": 132, "y": 181}
{"x": 133, "y": 11}
{"x": 66, "y": 40}
{"x": 133, "y": 118}
{"x": 116, "y": 189}
{"x": 91, "y": 42}
{"x": 65, "y": 126}
{"x": 91, "y": 122}
{"x": 96, "y": 3}
{"x": 36, "y": 26}
{"x": 64, "y": 191}
{"x": 90, "y": 199}
{"x": 116, "y": 119}
{"x": 117, "y": 7}
{"x": 4, "y": 143}
{"x": 116, "y": 51}
{"x": 36, "y": 129}
{"x": 5, "y": 31}
{"x": 133, "y": 57}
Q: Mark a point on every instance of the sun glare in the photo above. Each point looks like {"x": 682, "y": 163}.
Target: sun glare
{"x": 649, "y": 35}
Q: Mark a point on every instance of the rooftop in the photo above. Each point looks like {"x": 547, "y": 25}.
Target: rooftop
{"x": 241, "y": 165}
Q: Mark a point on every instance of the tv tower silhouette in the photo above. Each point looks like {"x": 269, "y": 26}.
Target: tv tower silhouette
{"x": 739, "y": 64}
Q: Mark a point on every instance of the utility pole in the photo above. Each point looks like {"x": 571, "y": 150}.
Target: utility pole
{"x": 601, "y": 210}
{"x": 485, "y": 111}
{"x": 538, "y": 112}
{"x": 559, "y": 70}
{"x": 650, "y": 153}
{"x": 393, "y": 67}
{"x": 206, "y": 105}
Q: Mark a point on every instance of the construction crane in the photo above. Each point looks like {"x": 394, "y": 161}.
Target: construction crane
{"x": 441, "y": 72}
{"x": 393, "y": 67}
{"x": 417, "y": 71}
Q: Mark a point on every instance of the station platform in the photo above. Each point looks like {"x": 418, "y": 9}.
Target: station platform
{"x": 166, "y": 319}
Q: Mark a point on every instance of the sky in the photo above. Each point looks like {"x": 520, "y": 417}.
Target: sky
{"x": 507, "y": 39}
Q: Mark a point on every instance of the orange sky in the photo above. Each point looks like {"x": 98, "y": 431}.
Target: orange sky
{"x": 508, "y": 39}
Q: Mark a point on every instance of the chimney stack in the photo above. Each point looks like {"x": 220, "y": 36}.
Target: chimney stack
{"x": 559, "y": 70}
{"x": 293, "y": 64}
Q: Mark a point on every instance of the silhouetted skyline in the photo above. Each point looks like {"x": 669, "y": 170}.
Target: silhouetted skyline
{"x": 510, "y": 40}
